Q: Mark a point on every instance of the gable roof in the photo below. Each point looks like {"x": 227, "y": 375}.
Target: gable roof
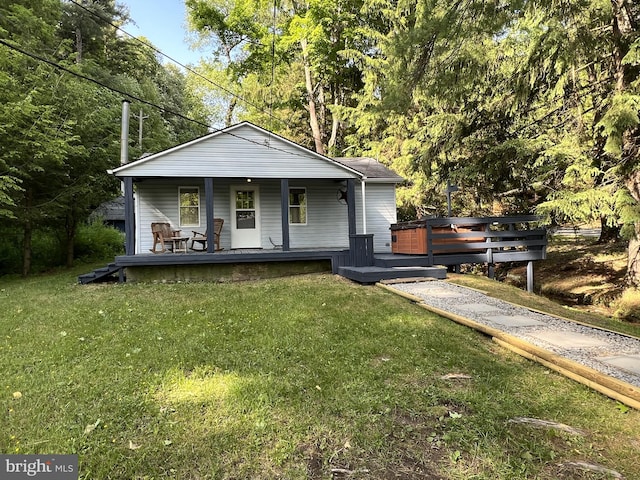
{"x": 242, "y": 150}
{"x": 112, "y": 210}
{"x": 372, "y": 169}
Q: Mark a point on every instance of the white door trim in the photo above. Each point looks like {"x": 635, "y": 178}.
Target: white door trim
{"x": 247, "y": 236}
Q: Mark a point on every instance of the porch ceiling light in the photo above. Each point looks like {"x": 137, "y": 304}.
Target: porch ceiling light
{"x": 248, "y": 180}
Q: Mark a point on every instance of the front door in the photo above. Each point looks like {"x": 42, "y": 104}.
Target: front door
{"x": 245, "y": 217}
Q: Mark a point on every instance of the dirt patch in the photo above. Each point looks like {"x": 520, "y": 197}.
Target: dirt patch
{"x": 579, "y": 274}
{"x": 413, "y": 449}
{"x": 571, "y": 471}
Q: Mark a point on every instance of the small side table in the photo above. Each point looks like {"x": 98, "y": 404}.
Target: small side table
{"x": 178, "y": 244}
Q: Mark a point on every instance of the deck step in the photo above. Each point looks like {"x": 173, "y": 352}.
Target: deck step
{"x": 389, "y": 260}
{"x": 375, "y": 273}
{"x": 99, "y": 274}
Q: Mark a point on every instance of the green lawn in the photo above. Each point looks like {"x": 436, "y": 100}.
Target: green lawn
{"x": 291, "y": 378}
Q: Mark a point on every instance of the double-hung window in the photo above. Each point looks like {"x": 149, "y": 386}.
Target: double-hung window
{"x": 298, "y": 206}
{"x": 189, "y": 200}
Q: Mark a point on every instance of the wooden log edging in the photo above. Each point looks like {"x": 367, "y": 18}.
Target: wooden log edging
{"x": 611, "y": 387}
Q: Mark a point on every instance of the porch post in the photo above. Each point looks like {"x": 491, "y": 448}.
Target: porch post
{"x": 129, "y": 218}
{"x": 351, "y": 205}
{"x": 208, "y": 198}
{"x": 284, "y": 209}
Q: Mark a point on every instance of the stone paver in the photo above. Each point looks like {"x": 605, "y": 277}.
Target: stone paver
{"x": 631, "y": 363}
{"x": 514, "y": 320}
{"x": 444, "y": 293}
{"x": 479, "y": 308}
{"x": 569, "y": 339}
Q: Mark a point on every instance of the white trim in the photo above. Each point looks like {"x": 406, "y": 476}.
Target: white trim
{"x": 137, "y": 223}
{"x": 180, "y": 224}
{"x": 384, "y": 180}
{"x": 306, "y": 206}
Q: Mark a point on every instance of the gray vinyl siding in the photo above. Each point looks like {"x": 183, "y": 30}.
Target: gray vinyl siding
{"x": 157, "y": 201}
{"x": 244, "y": 152}
{"x": 381, "y": 213}
{"x": 327, "y": 223}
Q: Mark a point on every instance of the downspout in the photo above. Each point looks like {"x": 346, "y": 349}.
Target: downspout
{"x": 364, "y": 205}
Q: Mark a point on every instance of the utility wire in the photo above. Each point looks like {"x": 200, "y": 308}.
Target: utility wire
{"x": 189, "y": 69}
{"x": 93, "y": 80}
{"x": 273, "y": 57}
{"x": 134, "y": 97}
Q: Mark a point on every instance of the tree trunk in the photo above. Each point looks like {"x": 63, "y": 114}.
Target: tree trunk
{"x": 622, "y": 27}
{"x": 633, "y": 260}
{"x": 26, "y": 248}
{"x": 78, "y": 45}
{"x": 228, "y": 120}
{"x": 608, "y": 234}
{"x": 70, "y": 236}
{"x": 313, "y": 114}
{"x": 335, "y": 121}
{"x": 27, "y": 234}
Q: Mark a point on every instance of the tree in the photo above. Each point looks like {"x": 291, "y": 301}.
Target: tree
{"x": 37, "y": 138}
{"x": 61, "y": 132}
{"x": 316, "y": 41}
{"x": 621, "y": 123}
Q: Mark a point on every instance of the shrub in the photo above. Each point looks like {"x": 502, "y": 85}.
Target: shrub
{"x": 46, "y": 250}
{"x": 96, "y": 241}
{"x": 627, "y": 307}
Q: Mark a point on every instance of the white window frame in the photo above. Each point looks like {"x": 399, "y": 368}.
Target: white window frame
{"x": 180, "y": 189}
{"x": 306, "y": 205}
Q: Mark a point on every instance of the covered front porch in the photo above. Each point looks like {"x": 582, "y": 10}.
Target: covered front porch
{"x": 245, "y": 264}
{"x": 428, "y": 250}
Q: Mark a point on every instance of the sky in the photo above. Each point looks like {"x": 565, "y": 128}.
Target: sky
{"x": 163, "y": 22}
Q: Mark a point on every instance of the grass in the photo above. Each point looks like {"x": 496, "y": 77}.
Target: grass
{"x": 303, "y": 377}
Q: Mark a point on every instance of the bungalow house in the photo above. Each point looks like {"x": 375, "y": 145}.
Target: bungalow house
{"x": 279, "y": 202}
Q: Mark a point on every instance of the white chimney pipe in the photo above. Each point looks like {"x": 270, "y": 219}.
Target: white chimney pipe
{"x": 124, "y": 134}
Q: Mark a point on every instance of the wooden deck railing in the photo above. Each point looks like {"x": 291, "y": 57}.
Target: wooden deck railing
{"x": 484, "y": 240}
{"x": 487, "y": 240}
{"x": 361, "y": 250}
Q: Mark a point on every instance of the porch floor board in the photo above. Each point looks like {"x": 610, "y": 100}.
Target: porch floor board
{"x": 229, "y": 256}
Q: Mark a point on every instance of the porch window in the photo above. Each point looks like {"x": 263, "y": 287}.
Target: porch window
{"x": 298, "y": 206}
{"x": 189, "y": 206}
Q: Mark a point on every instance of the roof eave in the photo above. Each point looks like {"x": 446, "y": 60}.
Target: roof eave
{"x": 384, "y": 180}
{"x": 126, "y": 166}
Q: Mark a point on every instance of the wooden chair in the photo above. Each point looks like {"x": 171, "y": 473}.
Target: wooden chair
{"x": 162, "y": 232}
{"x": 201, "y": 238}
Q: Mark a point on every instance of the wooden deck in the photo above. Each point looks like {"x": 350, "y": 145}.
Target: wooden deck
{"x": 337, "y": 256}
{"x": 386, "y": 266}
{"x": 488, "y": 241}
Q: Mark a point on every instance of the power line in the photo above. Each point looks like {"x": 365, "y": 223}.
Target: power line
{"x": 134, "y": 97}
{"x": 189, "y": 69}
{"x": 97, "y": 82}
